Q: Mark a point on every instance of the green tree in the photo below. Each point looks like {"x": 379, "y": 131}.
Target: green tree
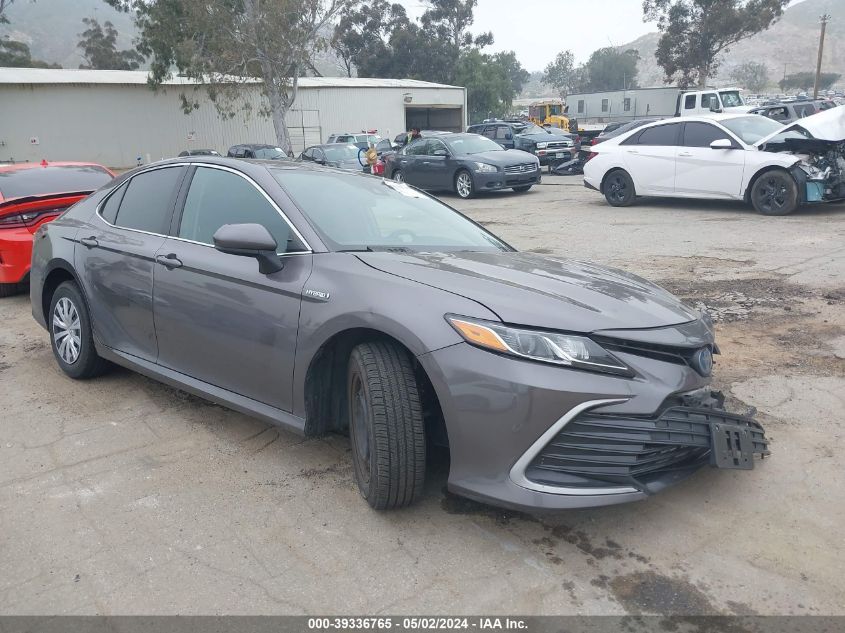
{"x": 610, "y": 69}
{"x": 450, "y": 21}
{"x": 362, "y": 36}
{"x": 516, "y": 74}
{"x": 805, "y": 80}
{"x": 99, "y": 48}
{"x": 224, "y": 45}
{"x": 694, "y": 33}
{"x": 752, "y": 76}
{"x": 17, "y": 55}
{"x": 561, "y": 73}
{"x": 489, "y": 88}
{"x": 3, "y": 6}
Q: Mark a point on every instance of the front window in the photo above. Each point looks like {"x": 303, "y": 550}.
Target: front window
{"x": 341, "y": 153}
{"x": 731, "y": 98}
{"x": 473, "y": 145}
{"x": 751, "y": 128}
{"x": 357, "y": 213}
{"x": 58, "y": 179}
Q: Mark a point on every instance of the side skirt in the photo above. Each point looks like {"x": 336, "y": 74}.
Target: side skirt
{"x": 217, "y": 395}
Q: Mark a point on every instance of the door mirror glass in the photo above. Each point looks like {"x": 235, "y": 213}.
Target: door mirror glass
{"x": 249, "y": 240}
{"x": 721, "y": 143}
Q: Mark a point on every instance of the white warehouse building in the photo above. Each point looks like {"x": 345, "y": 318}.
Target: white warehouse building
{"x": 112, "y": 117}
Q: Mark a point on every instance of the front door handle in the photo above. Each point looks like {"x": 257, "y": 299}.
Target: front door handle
{"x": 169, "y": 261}
{"x": 90, "y": 242}
{"x": 685, "y": 154}
{"x": 632, "y": 151}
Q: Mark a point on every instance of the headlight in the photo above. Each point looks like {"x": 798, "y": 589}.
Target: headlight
{"x": 484, "y": 168}
{"x": 542, "y": 145}
{"x": 549, "y": 347}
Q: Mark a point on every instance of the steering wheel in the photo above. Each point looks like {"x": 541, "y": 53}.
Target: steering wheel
{"x": 398, "y": 232}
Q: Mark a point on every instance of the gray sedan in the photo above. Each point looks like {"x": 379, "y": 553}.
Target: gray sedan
{"x": 326, "y": 301}
{"x": 464, "y": 163}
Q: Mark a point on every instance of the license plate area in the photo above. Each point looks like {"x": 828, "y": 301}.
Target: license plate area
{"x": 731, "y": 446}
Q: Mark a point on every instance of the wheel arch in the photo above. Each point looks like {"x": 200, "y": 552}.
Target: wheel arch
{"x": 58, "y": 271}
{"x": 610, "y": 171}
{"x": 324, "y": 386}
{"x": 771, "y": 166}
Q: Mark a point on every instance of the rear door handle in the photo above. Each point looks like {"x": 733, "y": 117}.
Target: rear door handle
{"x": 632, "y": 151}
{"x": 90, "y": 242}
{"x": 685, "y": 154}
{"x": 169, "y": 261}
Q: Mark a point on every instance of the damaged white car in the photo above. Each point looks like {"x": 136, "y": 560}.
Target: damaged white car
{"x": 726, "y": 156}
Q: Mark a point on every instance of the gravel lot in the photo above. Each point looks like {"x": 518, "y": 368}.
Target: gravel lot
{"x": 123, "y": 496}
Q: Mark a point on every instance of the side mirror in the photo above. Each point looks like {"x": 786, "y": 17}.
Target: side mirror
{"x": 249, "y": 240}
{"x": 440, "y": 152}
{"x": 721, "y": 143}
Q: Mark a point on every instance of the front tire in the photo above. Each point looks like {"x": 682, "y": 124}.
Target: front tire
{"x": 71, "y": 336}
{"x": 523, "y": 189}
{"x": 618, "y": 188}
{"x": 398, "y": 176}
{"x": 386, "y": 426}
{"x": 464, "y": 186}
{"x": 775, "y": 193}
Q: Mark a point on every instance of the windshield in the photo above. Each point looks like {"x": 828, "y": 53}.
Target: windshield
{"x": 359, "y": 213}
{"x": 57, "y": 179}
{"x": 530, "y": 128}
{"x": 751, "y": 128}
{"x": 731, "y": 99}
{"x": 341, "y": 152}
{"x": 472, "y": 144}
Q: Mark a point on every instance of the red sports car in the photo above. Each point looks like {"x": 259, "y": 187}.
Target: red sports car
{"x": 30, "y": 195}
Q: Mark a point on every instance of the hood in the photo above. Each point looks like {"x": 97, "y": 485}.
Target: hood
{"x": 827, "y": 125}
{"x": 546, "y": 138}
{"x": 500, "y": 158}
{"x": 542, "y": 292}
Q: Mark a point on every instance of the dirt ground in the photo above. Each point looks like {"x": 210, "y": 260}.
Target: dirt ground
{"x": 123, "y": 496}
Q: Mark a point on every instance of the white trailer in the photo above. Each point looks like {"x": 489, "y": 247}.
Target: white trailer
{"x": 591, "y": 108}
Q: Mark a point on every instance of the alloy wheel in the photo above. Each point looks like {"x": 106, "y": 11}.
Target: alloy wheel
{"x": 464, "y": 185}
{"x": 617, "y": 188}
{"x": 773, "y": 195}
{"x": 399, "y": 176}
{"x": 67, "y": 331}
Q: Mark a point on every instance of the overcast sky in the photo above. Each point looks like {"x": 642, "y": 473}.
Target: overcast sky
{"x": 539, "y": 29}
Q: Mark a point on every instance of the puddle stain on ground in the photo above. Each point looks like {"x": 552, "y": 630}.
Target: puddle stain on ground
{"x": 646, "y": 592}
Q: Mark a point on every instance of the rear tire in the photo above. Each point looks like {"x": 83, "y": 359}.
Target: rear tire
{"x": 7, "y": 290}
{"x": 523, "y": 189}
{"x": 398, "y": 176}
{"x": 618, "y": 188}
{"x": 71, "y": 335}
{"x": 775, "y": 192}
{"x": 386, "y": 426}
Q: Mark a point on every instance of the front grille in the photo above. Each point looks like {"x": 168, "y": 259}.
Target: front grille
{"x": 595, "y": 449}
{"x": 524, "y": 168}
{"x": 558, "y": 145}
{"x": 667, "y": 353}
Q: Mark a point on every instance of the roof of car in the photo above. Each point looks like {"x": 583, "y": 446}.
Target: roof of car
{"x": 19, "y": 166}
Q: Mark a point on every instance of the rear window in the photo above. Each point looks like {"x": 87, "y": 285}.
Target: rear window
{"x": 147, "y": 203}
{"x": 659, "y": 135}
{"x": 55, "y": 179}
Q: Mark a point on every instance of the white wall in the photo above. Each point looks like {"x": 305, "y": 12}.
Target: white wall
{"x": 115, "y": 124}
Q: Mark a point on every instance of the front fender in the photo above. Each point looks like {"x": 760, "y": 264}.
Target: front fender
{"x": 361, "y": 297}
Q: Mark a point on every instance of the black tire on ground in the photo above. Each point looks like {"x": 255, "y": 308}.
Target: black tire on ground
{"x": 7, "y": 290}
{"x": 618, "y": 188}
{"x": 386, "y": 426}
{"x": 523, "y": 189}
{"x": 464, "y": 186}
{"x": 398, "y": 176}
{"x": 71, "y": 336}
{"x": 775, "y": 192}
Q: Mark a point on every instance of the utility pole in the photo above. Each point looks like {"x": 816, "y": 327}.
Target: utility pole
{"x": 823, "y": 19}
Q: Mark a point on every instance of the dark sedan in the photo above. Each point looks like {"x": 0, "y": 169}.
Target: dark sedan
{"x": 326, "y": 301}
{"x": 349, "y": 157}
{"x": 464, "y": 163}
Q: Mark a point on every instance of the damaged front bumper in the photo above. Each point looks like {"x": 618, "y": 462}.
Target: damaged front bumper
{"x": 595, "y": 452}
